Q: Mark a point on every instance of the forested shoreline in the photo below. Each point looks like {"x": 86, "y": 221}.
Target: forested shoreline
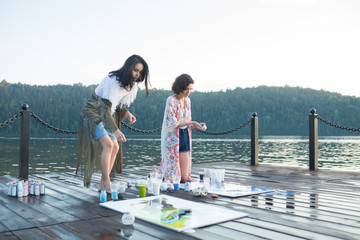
{"x": 281, "y": 110}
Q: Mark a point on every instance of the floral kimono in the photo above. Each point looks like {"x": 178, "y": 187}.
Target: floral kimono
{"x": 170, "y": 161}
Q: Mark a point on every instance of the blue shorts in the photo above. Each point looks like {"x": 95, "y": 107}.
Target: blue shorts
{"x": 102, "y": 131}
{"x": 184, "y": 145}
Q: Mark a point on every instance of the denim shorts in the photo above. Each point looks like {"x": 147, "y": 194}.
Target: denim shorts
{"x": 102, "y": 131}
{"x": 184, "y": 140}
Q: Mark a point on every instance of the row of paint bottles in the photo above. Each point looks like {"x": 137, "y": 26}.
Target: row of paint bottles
{"x": 117, "y": 192}
{"x": 24, "y": 188}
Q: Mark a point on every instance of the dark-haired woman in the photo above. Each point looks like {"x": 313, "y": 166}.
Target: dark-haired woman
{"x": 176, "y": 131}
{"x": 101, "y": 116}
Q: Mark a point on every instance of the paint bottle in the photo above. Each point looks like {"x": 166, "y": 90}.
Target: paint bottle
{"x": 37, "y": 188}
{"x": 114, "y": 194}
{"x": 32, "y": 188}
{"x": 187, "y": 187}
{"x": 26, "y": 189}
{"x": 10, "y": 187}
{"x": 42, "y": 188}
{"x": 20, "y": 189}
{"x": 103, "y": 196}
{"x": 14, "y": 189}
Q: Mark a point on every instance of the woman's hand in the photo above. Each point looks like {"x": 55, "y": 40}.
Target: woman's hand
{"x": 120, "y": 136}
{"x": 130, "y": 117}
{"x": 203, "y": 126}
{"x": 196, "y": 125}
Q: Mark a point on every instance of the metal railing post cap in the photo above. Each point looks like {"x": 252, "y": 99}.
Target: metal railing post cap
{"x": 313, "y": 111}
{"x": 24, "y": 106}
{"x": 254, "y": 114}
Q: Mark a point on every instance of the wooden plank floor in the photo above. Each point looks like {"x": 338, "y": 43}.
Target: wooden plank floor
{"x": 305, "y": 204}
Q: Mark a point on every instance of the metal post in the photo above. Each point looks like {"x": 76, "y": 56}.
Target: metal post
{"x": 313, "y": 140}
{"x": 24, "y": 143}
{"x": 254, "y": 139}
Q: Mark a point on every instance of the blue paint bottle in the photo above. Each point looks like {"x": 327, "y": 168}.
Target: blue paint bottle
{"x": 114, "y": 194}
{"x": 103, "y": 196}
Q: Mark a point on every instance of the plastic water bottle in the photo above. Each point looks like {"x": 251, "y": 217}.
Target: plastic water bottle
{"x": 103, "y": 196}
{"x": 128, "y": 218}
{"x": 149, "y": 186}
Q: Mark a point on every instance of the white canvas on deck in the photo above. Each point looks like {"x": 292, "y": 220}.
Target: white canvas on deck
{"x": 174, "y": 213}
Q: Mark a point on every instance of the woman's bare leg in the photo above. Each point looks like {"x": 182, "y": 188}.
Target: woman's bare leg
{"x": 105, "y": 159}
{"x": 115, "y": 150}
{"x": 184, "y": 166}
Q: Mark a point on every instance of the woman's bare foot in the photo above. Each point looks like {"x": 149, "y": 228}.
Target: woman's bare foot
{"x": 101, "y": 186}
{"x": 107, "y": 187}
{"x": 104, "y": 186}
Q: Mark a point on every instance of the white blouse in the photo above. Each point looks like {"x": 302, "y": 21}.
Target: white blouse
{"x": 111, "y": 90}
{"x": 183, "y": 117}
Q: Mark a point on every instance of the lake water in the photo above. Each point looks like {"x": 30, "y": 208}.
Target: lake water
{"x": 59, "y": 154}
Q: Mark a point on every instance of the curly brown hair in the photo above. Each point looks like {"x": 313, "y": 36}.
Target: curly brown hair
{"x": 181, "y": 83}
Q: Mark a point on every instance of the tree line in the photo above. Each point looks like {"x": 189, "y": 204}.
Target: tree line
{"x": 281, "y": 110}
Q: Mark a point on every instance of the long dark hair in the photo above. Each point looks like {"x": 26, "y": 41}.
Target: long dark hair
{"x": 124, "y": 74}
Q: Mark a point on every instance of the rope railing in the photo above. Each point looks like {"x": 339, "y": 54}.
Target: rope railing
{"x": 47, "y": 125}
{"x": 226, "y": 132}
{"x": 140, "y": 131}
{"x": 337, "y": 125}
{"x": 204, "y": 132}
{"x": 313, "y": 133}
{"x": 51, "y": 127}
{"x": 25, "y": 115}
{"x": 42, "y": 122}
{"x": 313, "y": 112}
{"x": 11, "y": 120}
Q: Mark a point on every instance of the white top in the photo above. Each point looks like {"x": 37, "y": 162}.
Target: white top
{"x": 111, "y": 90}
{"x": 183, "y": 117}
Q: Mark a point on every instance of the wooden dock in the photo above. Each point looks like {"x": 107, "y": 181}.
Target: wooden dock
{"x": 305, "y": 204}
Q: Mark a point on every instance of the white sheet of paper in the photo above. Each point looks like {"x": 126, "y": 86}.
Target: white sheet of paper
{"x": 174, "y": 213}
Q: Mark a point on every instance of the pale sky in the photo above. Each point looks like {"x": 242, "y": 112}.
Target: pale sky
{"x": 222, "y": 44}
